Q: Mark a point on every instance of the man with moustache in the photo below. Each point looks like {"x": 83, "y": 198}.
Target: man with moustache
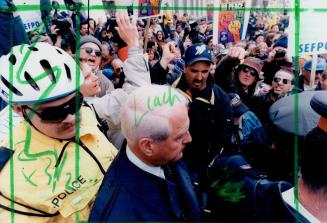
{"x": 210, "y": 112}
{"x": 58, "y": 153}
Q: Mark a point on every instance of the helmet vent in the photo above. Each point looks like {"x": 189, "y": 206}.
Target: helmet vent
{"x": 59, "y": 51}
{"x": 12, "y": 59}
{"x": 33, "y": 48}
{"x": 47, "y": 68}
{"x": 10, "y": 86}
{"x": 31, "y": 81}
{"x": 69, "y": 76}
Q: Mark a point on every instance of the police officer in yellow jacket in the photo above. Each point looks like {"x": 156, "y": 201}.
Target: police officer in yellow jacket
{"x": 54, "y": 160}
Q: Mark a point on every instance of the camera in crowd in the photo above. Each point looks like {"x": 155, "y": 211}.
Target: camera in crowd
{"x": 280, "y": 53}
{"x": 110, "y": 27}
{"x": 63, "y": 24}
{"x": 193, "y": 32}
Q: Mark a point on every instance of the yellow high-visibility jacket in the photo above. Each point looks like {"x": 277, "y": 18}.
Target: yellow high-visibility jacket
{"x": 49, "y": 180}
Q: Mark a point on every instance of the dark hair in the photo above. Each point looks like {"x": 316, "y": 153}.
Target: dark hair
{"x": 150, "y": 44}
{"x": 314, "y": 160}
{"x": 83, "y": 23}
{"x": 163, "y": 35}
{"x": 324, "y": 75}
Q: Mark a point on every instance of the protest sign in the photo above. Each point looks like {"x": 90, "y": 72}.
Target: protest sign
{"x": 312, "y": 34}
{"x": 229, "y": 22}
{"x": 149, "y": 8}
{"x": 31, "y": 19}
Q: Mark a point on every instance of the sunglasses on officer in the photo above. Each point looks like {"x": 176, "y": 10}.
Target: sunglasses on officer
{"x": 284, "y": 81}
{"x": 89, "y": 50}
{"x": 247, "y": 69}
{"x": 60, "y": 112}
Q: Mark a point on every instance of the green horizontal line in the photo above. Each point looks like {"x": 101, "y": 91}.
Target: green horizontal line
{"x": 320, "y": 10}
{"x": 164, "y": 8}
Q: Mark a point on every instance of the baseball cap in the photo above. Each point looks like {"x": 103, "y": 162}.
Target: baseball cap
{"x": 282, "y": 42}
{"x": 321, "y": 65}
{"x": 196, "y": 53}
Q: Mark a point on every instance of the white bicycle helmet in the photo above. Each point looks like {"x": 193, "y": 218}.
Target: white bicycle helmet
{"x": 37, "y": 73}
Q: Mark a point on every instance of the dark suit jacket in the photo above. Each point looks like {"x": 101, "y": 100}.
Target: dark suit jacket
{"x": 131, "y": 194}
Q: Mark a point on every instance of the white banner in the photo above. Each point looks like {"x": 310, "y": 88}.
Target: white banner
{"x": 312, "y": 33}
{"x": 31, "y": 19}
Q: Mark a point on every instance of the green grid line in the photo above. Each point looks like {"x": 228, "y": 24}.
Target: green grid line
{"x": 297, "y": 10}
{"x": 296, "y": 108}
{"x": 78, "y": 113}
{"x": 11, "y": 145}
{"x": 167, "y": 8}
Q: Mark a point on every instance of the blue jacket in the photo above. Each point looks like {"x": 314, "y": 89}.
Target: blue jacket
{"x": 131, "y": 194}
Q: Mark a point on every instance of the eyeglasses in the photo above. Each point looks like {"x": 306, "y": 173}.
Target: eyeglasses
{"x": 246, "y": 69}
{"x": 89, "y": 50}
{"x": 60, "y": 112}
{"x": 285, "y": 81}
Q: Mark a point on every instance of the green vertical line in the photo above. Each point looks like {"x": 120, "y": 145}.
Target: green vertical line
{"x": 296, "y": 107}
{"x": 78, "y": 114}
{"x": 11, "y": 144}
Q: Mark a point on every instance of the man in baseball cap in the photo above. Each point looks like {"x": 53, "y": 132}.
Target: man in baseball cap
{"x": 197, "y": 64}
{"x": 210, "y": 113}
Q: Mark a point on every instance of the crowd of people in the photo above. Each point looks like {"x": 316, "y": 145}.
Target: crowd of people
{"x": 130, "y": 120}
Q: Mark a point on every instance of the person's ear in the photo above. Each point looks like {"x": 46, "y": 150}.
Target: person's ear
{"x": 146, "y": 146}
{"x": 18, "y": 109}
{"x": 185, "y": 67}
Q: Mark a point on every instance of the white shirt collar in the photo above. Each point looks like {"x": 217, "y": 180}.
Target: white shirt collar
{"x": 154, "y": 170}
{"x": 288, "y": 197}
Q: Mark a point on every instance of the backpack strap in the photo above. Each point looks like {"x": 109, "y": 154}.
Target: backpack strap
{"x": 102, "y": 124}
{"x": 38, "y": 213}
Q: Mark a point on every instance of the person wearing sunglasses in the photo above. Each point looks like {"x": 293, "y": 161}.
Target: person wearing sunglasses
{"x": 56, "y": 156}
{"x": 234, "y": 74}
{"x": 247, "y": 75}
{"x": 283, "y": 84}
{"x": 91, "y": 56}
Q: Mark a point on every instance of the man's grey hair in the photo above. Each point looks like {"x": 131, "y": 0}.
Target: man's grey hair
{"x": 147, "y": 111}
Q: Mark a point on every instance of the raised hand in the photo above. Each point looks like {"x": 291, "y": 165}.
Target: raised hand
{"x": 127, "y": 30}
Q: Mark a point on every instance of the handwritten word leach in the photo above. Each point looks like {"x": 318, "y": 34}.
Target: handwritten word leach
{"x": 167, "y": 98}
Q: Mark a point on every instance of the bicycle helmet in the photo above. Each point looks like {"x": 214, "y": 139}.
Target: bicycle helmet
{"x": 37, "y": 73}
